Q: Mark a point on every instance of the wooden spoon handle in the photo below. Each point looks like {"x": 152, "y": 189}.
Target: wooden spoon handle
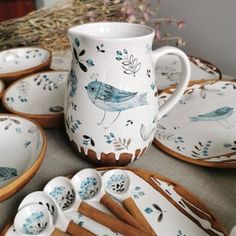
{"x": 120, "y": 211}
{"x": 110, "y": 222}
{"x": 132, "y": 208}
{"x": 58, "y": 232}
{"x": 76, "y": 230}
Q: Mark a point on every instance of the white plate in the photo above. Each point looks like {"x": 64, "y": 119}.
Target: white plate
{"x": 22, "y": 148}
{"x": 168, "y": 70}
{"x": 168, "y": 208}
{"x": 201, "y": 128}
{"x": 20, "y": 59}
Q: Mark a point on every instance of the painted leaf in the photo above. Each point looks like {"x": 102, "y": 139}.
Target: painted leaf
{"x": 75, "y": 54}
{"x": 86, "y": 137}
{"x": 129, "y": 142}
{"x": 92, "y": 142}
{"x": 160, "y": 217}
{"x": 83, "y": 67}
{"x": 157, "y": 207}
{"x": 82, "y": 52}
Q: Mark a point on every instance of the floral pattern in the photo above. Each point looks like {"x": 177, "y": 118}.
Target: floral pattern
{"x": 130, "y": 64}
{"x": 88, "y": 188}
{"x": 34, "y": 224}
{"x": 119, "y": 143}
{"x": 64, "y": 198}
{"x": 116, "y": 183}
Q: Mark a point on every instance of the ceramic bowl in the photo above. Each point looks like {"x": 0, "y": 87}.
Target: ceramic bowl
{"x": 18, "y": 62}
{"x": 22, "y": 149}
{"x": 2, "y": 87}
{"x": 39, "y": 97}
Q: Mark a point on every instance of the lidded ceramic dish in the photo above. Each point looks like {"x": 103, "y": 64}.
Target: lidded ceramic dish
{"x": 39, "y": 96}
{"x": 18, "y": 62}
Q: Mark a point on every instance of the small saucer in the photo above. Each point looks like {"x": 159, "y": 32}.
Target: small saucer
{"x": 168, "y": 70}
{"x": 22, "y": 149}
{"x": 201, "y": 128}
{"x": 18, "y": 62}
{"x": 39, "y": 96}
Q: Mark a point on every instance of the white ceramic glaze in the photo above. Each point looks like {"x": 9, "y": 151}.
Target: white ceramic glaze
{"x": 202, "y": 126}
{"x": 111, "y": 89}
{"x": 33, "y": 219}
{"x": 19, "y": 59}
{"x": 39, "y": 94}
{"x": 168, "y": 208}
{"x": 21, "y": 144}
{"x": 168, "y": 70}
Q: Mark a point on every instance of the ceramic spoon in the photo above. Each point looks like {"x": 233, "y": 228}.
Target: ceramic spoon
{"x": 63, "y": 192}
{"x": 34, "y": 219}
{"x": 59, "y": 220}
{"x": 88, "y": 184}
{"x": 117, "y": 183}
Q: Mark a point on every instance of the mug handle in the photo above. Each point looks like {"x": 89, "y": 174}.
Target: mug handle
{"x": 183, "y": 83}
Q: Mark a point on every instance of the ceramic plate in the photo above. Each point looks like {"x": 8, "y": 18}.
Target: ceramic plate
{"x": 168, "y": 70}
{"x": 2, "y": 87}
{"x": 61, "y": 60}
{"x": 168, "y": 208}
{"x": 17, "y": 62}
{"x": 39, "y": 96}
{"x": 19, "y": 164}
{"x": 201, "y": 128}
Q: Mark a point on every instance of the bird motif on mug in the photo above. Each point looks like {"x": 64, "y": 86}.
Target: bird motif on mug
{"x": 220, "y": 114}
{"x": 109, "y": 98}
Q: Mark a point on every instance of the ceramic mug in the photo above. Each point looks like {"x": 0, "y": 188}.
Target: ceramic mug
{"x": 111, "y": 107}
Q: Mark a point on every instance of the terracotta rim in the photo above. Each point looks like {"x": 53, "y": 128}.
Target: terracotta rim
{"x": 2, "y": 89}
{"x": 142, "y": 173}
{"x": 18, "y": 183}
{"x": 14, "y": 75}
{"x": 187, "y": 158}
{"x": 51, "y": 117}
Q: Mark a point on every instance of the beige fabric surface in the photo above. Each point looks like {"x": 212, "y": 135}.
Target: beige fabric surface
{"x": 214, "y": 187}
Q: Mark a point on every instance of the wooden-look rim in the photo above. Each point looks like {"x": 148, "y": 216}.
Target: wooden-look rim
{"x": 11, "y": 188}
{"x": 14, "y": 75}
{"x": 207, "y": 62}
{"x": 2, "y": 88}
{"x": 187, "y": 158}
{"x": 30, "y": 115}
{"x": 145, "y": 175}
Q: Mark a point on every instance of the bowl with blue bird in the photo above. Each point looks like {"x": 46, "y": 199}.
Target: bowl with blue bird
{"x": 39, "y": 96}
{"x": 16, "y": 63}
{"x": 201, "y": 128}
{"x": 22, "y": 149}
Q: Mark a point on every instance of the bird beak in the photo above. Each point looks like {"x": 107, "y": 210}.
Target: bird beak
{"x": 86, "y": 87}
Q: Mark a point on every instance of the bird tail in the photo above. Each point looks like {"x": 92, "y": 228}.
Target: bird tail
{"x": 194, "y": 119}
{"x": 143, "y": 99}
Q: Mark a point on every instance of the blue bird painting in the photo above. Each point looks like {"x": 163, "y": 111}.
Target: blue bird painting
{"x": 220, "y": 114}
{"x": 109, "y": 98}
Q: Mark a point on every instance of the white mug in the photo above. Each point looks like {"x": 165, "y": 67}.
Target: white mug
{"x": 111, "y": 108}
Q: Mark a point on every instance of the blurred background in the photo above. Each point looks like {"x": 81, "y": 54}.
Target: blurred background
{"x": 209, "y": 33}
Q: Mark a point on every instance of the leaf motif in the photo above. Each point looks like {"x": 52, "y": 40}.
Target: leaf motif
{"x": 137, "y": 68}
{"x": 92, "y": 142}
{"x": 135, "y": 62}
{"x": 98, "y": 48}
{"x": 124, "y": 140}
{"x": 125, "y": 63}
{"x": 32, "y": 130}
{"x": 75, "y": 54}
{"x": 157, "y": 207}
{"x": 128, "y": 142}
{"x": 160, "y": 217}
{"x": 83, "y": 67}
{"x": 119, "y": 149}
{"x": 86, "y": 137}
{"x": 128, "y": 71}
{"x": 82, "y": 52}
{"x": 131, "y": 58}
{"x": 143, "y": 132}
{"x": 16, "y": 121}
